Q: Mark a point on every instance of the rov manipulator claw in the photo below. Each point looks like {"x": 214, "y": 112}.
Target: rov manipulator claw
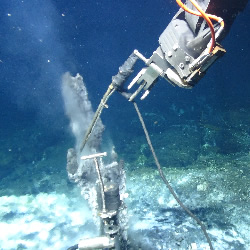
{"x": 184, "y": 54}
{"x": 159, "y": 67}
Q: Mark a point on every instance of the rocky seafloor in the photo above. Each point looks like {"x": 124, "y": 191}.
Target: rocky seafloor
{"x": 207, "y": 163}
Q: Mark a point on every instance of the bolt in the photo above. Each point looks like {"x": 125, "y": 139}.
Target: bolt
{"x": 181, "y": 65}
{"x": 187, "y": 59}
{"x": 175, "y": 47}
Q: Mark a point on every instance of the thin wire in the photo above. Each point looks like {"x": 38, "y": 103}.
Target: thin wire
{"x": 166, "y": 181}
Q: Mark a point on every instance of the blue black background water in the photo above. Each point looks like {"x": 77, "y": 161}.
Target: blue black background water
{"x": 40, "y": 40}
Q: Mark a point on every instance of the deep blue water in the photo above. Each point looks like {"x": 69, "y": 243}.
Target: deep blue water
{"x": 40, "y": 40}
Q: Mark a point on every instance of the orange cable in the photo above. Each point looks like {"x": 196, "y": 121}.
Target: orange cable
{"x": 218, "y": 19}
{"x": 205, "y": 16}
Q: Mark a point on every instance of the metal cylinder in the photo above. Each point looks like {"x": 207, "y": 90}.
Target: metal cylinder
{"x": 96, "y": 243}
{"x": 112, "y": 196}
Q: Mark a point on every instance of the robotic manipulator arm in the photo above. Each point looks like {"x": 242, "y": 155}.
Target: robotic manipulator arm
{"x": 188, "y": 47}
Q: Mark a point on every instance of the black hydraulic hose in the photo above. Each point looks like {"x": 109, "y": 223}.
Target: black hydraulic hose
{"x": 117, "y": 84}
{"x": 125, "y": 71}
{"x": 98, "y": 112}
{"x": 187, "y": 210}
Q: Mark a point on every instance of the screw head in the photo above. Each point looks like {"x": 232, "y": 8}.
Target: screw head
{"x": 181, "y": 65}
{"x": 175, "y": 47}
{"x": 187, "y": 59}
